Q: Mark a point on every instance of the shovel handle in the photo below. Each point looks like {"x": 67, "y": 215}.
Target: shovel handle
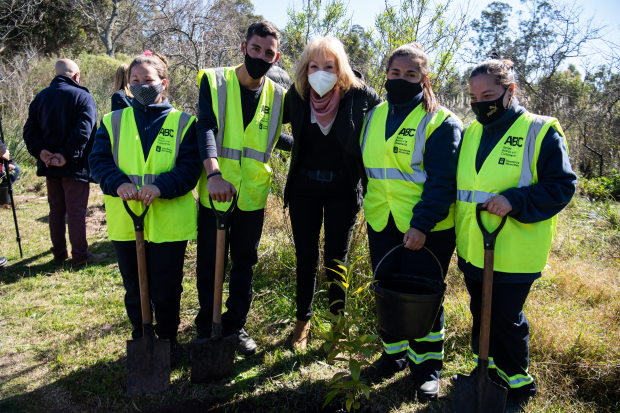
{"x": 487, "y": 284}
{"x": 222, "y": 218}
{"x": 145, "y": 301}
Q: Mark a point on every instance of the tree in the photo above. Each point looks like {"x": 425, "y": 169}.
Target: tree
{"x": 493, "y": 31}
{"x": 111, "y": 18}
{"x": 16, "y": 17}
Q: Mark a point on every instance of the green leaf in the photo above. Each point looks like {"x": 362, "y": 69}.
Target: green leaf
{"x": 356, "y": 405}
{"x": 365, "y": 351}
{"x": 366, "y": 390}
{"x": 349, "y": 402}
{"x": 354, "y": 366}
{"x": 330, "y": 396}
{"x": 327, "y": 345}
{"x": 371, "y": 337}
{"x": 336, "y": 377}
{"x": 321, "y": 334}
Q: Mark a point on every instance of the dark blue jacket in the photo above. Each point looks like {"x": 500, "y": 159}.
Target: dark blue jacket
{"x": 441, "y": 154}
{"x": 61, "y": 119}
{"x": 149, "y": 120}
{"x": 120, "y": 100}
{"x": 535, "y": 203}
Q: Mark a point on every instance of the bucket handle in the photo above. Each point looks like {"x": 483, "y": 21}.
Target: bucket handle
{"x": 401, "y": 245}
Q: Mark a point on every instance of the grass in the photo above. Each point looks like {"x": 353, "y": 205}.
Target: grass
{"x": 63, "y": 331}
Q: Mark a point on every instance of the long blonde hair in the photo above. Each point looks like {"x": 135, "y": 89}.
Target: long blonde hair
{"x": 325, "y": 45}
{"x": 121, "y": 80}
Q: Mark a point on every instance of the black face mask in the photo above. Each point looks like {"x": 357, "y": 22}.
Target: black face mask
{"x": 402, "y": 91}
{"x": 489, "y": 112}
{"x": 256, "y": 67}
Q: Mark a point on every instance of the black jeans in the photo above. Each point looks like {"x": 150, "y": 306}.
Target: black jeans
{"x": 509, "y": 344}
{"x": 242, "y": 239}
{"x": 425, "y": 354}
{"x": 314, "y": 204}
{"x": 164, "y": 262}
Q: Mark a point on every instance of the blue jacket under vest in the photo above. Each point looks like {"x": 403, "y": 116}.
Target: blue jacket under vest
{"x": 557, "y": 183}
{"x": 62, "y": 119}
{"x": 441, "y": 154}
{"x": 149, "y": 120}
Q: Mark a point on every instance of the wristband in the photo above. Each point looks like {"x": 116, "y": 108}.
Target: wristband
{"x": 213, "y": 174}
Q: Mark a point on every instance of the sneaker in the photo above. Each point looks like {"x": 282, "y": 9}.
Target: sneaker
{"x": 175, "y": 353}
{"x": 90, "y": 260}
{"x": 245, "y": 344}
{"x": 427, "y": 391}
{"x": 3, "y": 262}
{"x": 516, "y": 404}
{"x": 385, "y": 367}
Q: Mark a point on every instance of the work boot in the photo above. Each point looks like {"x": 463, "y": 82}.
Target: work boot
{"x": 245, "y": 344}
{"x": 385, "y": 367}
{"x": 175, "y": 353}
{"x": 427, "y": 390}
{"x": 300, "y": 335}
{"x": 90, "y": 260}
{"x": 516, "y": 404}
{"x": 3, "y": 262}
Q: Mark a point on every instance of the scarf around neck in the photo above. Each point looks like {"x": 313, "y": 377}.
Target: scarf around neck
{"x": 325, "y": 108}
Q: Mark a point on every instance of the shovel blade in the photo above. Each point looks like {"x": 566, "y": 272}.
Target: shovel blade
{"x": 213, "y": 359}
{"x": 472, "y": 396}
{"x": 148, "y": 365}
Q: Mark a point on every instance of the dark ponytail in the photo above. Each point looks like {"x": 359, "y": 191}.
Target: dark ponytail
{"x": 414, "y": 50}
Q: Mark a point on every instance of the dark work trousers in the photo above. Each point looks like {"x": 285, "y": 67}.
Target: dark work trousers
{"x": 164, "y": 263}
{"x": 313, "y": 204}
{"x": 242, "y": 240}
{"x": 509, "y": 345}
{"x": 425, "y": 354}
{"x": 68, "y": 197}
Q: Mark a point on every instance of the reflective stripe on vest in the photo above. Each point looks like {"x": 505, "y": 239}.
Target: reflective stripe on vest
{"x": 418, "y": 176}
{"x": 223, "y": 152}
{"x": 520, "y": 248}
{"x": 395, "y": 166}
{"x": 167, "y": 220}
{"x": 527, "y": 175}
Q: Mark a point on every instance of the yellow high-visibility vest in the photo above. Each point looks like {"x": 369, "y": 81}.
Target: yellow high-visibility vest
{"x": 395, "y": 167}
{"x": 167, "y": 219}
{"x": 243, "y": 155}
{"x": 519, "y": 248}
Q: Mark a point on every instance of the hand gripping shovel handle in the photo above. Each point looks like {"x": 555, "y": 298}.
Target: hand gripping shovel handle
{"x": 223, "y": 223}
{"x": 487, "y": 283}
{"x": 138, "y": 223}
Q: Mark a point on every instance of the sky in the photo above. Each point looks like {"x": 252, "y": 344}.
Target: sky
{"x": 606, "y": 12}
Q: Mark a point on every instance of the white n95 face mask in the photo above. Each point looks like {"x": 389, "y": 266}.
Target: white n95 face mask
{"x": 322, "y": 82}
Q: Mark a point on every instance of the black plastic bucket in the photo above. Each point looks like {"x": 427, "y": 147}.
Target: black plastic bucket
{"x": 408, "y": 305}
{"x": 4, "y": 193}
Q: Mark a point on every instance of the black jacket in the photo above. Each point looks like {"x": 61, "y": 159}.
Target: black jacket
{"x": 348, "y": 129}
{"x": 62, "y": 119}
{"x": 120, "y": 100}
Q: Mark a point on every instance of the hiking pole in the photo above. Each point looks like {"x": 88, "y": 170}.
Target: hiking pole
{"x": 8, "y": 178}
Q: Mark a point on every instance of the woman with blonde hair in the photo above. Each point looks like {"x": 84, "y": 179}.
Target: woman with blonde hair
{"x": 326, "y": 106}
{"x": 122, "y": 96}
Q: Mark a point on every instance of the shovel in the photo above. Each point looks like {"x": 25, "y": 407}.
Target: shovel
{"x": 477, "y": 393}
{"x": 148, "y": 358}
{"x": 213, "y": 359}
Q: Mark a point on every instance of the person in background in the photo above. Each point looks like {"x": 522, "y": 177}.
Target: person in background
{"x": 146, "y": 155}
{"x": 326, "y": 106}
{"x": 410, "y": 151}
{"x": 122, "y": 96}
{"x": 515, "y": 164}
{"x": 61, "y": 119}
{"x": 236, "y": 142}
{"x": 5, "y": 155}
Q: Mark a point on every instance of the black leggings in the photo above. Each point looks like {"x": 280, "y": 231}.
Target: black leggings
{"x": 313, "y": 204}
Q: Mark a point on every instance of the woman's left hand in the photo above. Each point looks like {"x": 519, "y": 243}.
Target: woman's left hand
{"x": 498, "y": 205}
{"x": 148, "y": 193}
{"x": 414, "y": 239}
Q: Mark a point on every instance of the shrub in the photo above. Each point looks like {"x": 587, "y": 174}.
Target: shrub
{"x": 602, "y": 187}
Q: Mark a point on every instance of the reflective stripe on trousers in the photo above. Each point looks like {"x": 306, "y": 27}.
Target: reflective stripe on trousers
{"x": 420, "y": 358}
{"x": 418, "y": 176}
{"x": 274, "y": 121}
{"x": 526, "y": 177}
{"x": 516, "y": 381}
{"x": 392, "y": 348}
